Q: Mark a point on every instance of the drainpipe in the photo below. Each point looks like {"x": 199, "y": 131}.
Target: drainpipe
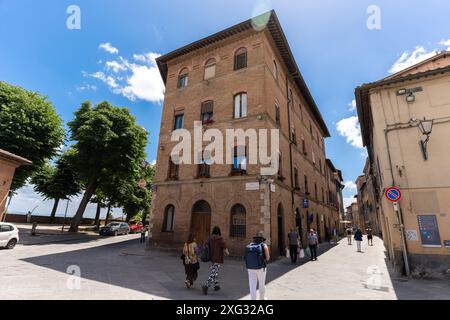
{"x": 289, "y": 102}
{"x": 399, "y": 210}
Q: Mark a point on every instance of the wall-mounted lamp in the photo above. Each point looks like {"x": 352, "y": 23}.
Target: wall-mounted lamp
{"x": 425, "y": 127}
{"x": 410, "y": 97}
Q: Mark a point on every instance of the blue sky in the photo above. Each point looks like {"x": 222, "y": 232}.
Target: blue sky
{"x": 330, "y": 40}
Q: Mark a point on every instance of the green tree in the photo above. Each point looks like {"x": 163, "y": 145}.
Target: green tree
{"x": 29, "y": 127}
{"x": 110, "y": 145}
{"x": 59, "y": 182}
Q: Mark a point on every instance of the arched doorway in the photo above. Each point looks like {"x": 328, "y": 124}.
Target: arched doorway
{"x": 298, "y": 222}
{"x": 201, "y": 221}
{"x": 280, "y": 224}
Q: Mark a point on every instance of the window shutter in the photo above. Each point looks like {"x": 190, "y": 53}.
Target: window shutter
{"x": 244, "y": 105}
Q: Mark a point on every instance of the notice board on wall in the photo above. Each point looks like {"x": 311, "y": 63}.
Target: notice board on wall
{"x": 429, "y": 231}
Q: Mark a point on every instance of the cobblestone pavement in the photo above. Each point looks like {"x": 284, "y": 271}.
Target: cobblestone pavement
{"x": 121, "y": 268}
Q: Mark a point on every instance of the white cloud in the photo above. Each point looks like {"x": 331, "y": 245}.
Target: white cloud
{"x": 352, "y": 105}
{"x": 86, "y": 87}
{"x": 445, "y": 43}
{"x": 350, "y": 129}
{"x": 134, "y": 80}
{"x": 153, "y": 162}
{"x": 108, "y": 48}
{"x": 115, "y": 66}
{"x": 348, "y": 201}
{"x": 350, "y": 186}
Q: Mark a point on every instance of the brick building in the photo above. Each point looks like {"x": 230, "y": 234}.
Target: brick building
{"x": 8, "y": 164}
{"x": 242, "y": 77}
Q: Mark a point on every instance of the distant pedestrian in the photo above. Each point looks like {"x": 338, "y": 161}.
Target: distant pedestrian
{"x": 335, "y": 235}
{"x": 143, "y": 231}
{"x": 349, "y": 235}
{"x": 313, "y": 241}
{"x": 29, "y": 217}
{"x": 256, "y": 257}
{"x": 358, "y": 239}
{"x": 217, "y": 248}
{"x": 293, "y": 245}
{"x": 369, "y": 236}
{"x": 191, "y": 263}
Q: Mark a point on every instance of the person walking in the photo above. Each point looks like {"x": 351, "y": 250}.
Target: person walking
{"x": 217, "y": 249}
{"x": 143, "y": 231}
{"x": 293, "y": 245}
{"x": 369, "y": 236}
{"x": 190, "y": 261}
{"x": 313, "y": 241}
{"x": 335, "y": 235}
{"x": 349, "y": 235}
{"x": 358, "y": 239}
{"x": 256, "y": 257}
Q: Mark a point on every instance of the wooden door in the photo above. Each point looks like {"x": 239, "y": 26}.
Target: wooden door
{"x": 201, "y": 226}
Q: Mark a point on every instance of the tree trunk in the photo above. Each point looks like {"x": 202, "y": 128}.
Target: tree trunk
{"x": 97, "y": 216}
{"x": 84, "y": 202}
{"x": 55, "y": 207}
{"x": 107, "y": 214}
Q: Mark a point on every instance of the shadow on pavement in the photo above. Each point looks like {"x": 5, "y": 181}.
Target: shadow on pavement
{"x": 128, "y": 265}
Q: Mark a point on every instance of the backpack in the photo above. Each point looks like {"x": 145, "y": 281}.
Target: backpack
{"x": 254, "y": 256}
{"x": 206, "y": 253}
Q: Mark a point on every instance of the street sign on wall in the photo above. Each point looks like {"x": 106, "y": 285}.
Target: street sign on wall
{"x": 305, "y": 204}
{"x": 393, "y": 194}
{"x": 429, "y": 231}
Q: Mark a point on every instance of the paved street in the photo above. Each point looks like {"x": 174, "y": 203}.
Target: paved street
{"x": 120, "y": 268}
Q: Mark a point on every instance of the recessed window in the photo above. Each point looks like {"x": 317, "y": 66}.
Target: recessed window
{"x": 205, "y": 165}
{"x": 173, "y": 170}
{"x": 240, "y": 59}
{"x": 296, "y": 184}
{"x": 306, "y": 185}
{"x": 207, "y": 112}
{"x": 304, "y": 146}
{"x": 210, "y": 69}
{"x": 178, "y": 121}
{"x": 240, "y": 105}
{"x": 183, "y": 78}
{"x": 275, "y": 70}
{"x": 168, "y": 218}
{"x": 239, "y": 159}
{"x": 293, "y": 135}
{"x": 238, "y": 221}
{"x": 280, "y": 166}
{"x": 277, "y": 115}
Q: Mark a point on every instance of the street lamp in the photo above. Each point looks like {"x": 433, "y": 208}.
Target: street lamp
{"x": 425, "y": 127}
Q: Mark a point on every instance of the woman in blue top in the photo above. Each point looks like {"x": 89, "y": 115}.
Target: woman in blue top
{"x": 358, "y": 239}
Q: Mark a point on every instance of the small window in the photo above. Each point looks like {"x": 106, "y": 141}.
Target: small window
{"x": 293, "y": 136}
{"x": 205, "y": 165}
{"x": 183, "y": 78}
{"x": 275, "y": 70}
{"x": 238, "y": 221}
{"x": 313, "y": 157}
{"x": 207, "y": 112}
{"x": 301, "y": 111}
{"x": 310, "y": 128}
{"x": 240, "y": 105}
{"x": 168, "y": 218}
{"x": 304, "y": 146}
{"x": 315, "y": 191}
{"x": 306, "y": 185}
{"x": 320, "y": 165}
{"x": 296, "y": 185}
{"x": 240, "y": 59}
{"x": 173, "y": 170}
{"x": 239, "y": 159}
{"x": 210, "y": 69}
{"x": 178, "y": 121}
{"x": 277, "y": 115}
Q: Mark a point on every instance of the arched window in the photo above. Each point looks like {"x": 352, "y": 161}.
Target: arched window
{"x": 275, "y": 70}
{"x": 183, "y": 78}
{"x": 240, "y": 59}
{"x": 210, "y": 69}
{"x": 168, "y": 218}
{"x": 240, "y": 105}
{"x": 238, "y": 221}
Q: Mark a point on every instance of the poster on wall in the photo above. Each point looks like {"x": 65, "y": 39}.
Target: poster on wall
{"x": 429, "y": 231}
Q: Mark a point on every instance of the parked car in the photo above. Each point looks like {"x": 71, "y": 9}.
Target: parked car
{"x": 114, "y": 229}
{"x": 135, "y": 226}
{"x": 9, "y": 235}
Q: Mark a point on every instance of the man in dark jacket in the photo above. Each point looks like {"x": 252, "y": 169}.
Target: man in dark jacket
{"x": 217, "y": 249}
{"x": 358, "y": 239}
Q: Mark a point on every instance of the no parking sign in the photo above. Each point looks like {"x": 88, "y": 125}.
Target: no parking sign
{"x": 393, "y": 194}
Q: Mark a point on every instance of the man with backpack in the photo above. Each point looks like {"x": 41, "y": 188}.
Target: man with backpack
{"x": 256, "y": 257}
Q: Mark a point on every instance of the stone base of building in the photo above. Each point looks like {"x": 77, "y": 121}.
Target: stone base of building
{"x": 424, "y": 265}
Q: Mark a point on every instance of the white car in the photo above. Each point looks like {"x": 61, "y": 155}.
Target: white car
{"x": 9, "y": 235}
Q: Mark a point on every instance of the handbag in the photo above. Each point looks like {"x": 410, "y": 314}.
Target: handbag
{"x": 206, "y": 254}
{"x": 307, "y": 252}
{"x": 301, "y": 253}
{"x": 288, "y": 255}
